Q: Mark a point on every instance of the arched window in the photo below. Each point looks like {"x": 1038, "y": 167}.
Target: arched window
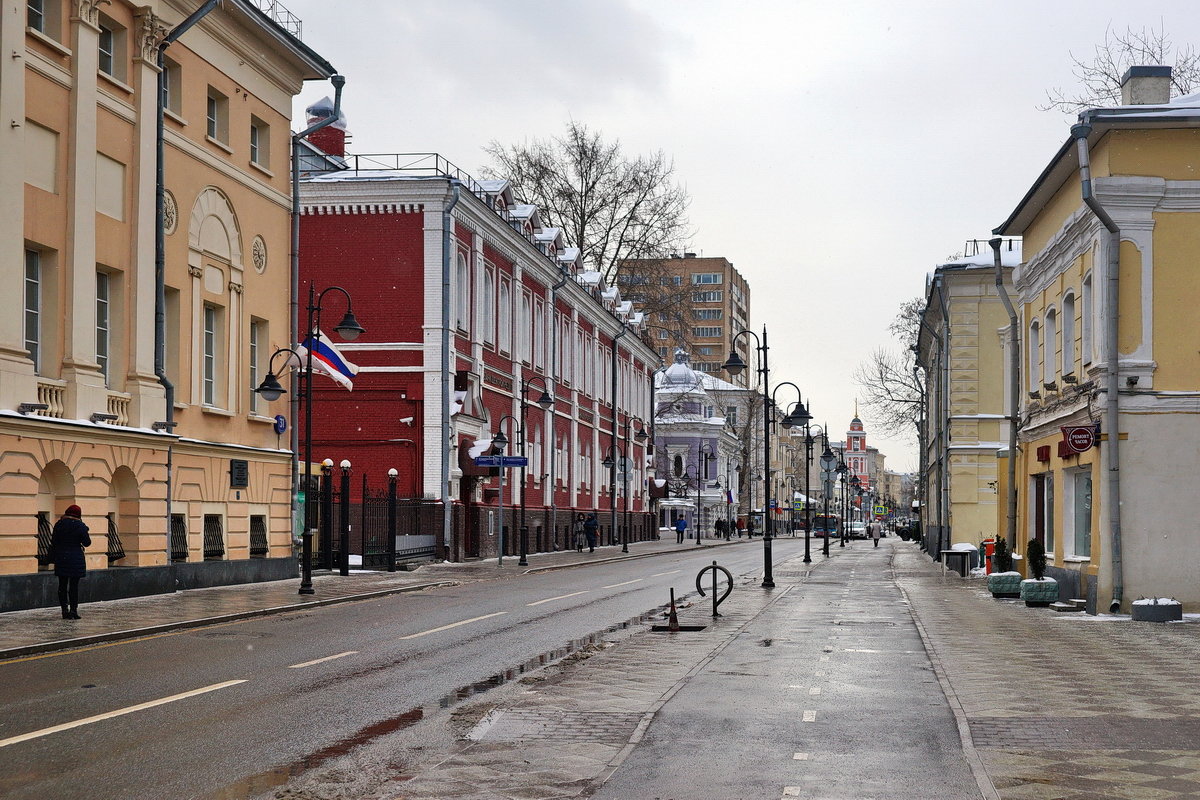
{"x": 1085, "y": 327}
{"x": 1068, "y": 334}
{"x": 505, "y": 317}
{"x": 526, "y": 329}
{"x": 1035, "y": 357}
{"x": 488, "y": 315}
{"x": 462, "y": 276}
{"x": 678, "y": 466}
{"x": 1051, "y": 344}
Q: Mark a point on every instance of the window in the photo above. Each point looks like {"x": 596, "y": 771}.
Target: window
{"x": 260, "y": 142}
{"x": 179, "y": 543}
{"x": 505, "y": 317}
{"x": 33, "y": 307}
{"x": 1085, "y": 340}
{"x": 256, "y": 338}
{"x": 731, "y": 415}
{"x": 1050, "y": 345}
{"x": 462, "y": 276}
{"x": 1081, "y": 516}
{"x": 488, "y": 317}
{"x": 706, "y": 278}
{"x": 171, "y": 86}
{"x": 103, "y": 333}
{"x": 715, "y": 296}
{"x": 707, "y": 313}
{"x": 111, "y": 44}
{"x": 217, "y": 116}
{"x": 525, "y": 332}
{"x": 539, "y": 335}
{"x": 214, "y": 537}
{"x": 677, "y": 280}
{"x": 706, "y": 332}
{"x": 258, "y": 536}
{"x": 35, "y": 15}
{"x": 1035, "y": 357}
{"x": 107, "y": 49}
{"x": 210, "y": 343}
{"x": 1068, "y": 335}
{"x": 1043, "y": 509}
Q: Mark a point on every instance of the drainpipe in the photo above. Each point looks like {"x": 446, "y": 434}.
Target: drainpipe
{"x": 1014, "y": 394}
{"x": 562, "y": 281}
{"x": 338, "y": 82}
{"x": 160, "y": 254}
{"x": 447, "y": 428}
{"x": 1112, "y": 309}
{"x": 944, "y": 423}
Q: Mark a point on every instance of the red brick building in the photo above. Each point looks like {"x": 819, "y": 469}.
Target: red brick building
{"x": 432, "y": 257}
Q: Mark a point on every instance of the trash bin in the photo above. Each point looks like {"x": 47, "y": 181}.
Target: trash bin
{"x": 988, "y": 546}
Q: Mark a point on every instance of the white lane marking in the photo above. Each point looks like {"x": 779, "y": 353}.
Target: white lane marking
{"x": 791, "y": 791}
{"x": 453, "y": 625}
{"x": 660, "y": 574}
{"x": 66, "y": 726}
{"x": 552, "y": 599}
{"x": 815, "y": 690}
{"x": 626, "y": 583}
{"x": 810, "y": 716}
{"x": 852, "y": 650}
{"x": 322, "y": 660}
{"x": 796, "y": 686}
{"x": 800, "y": 756}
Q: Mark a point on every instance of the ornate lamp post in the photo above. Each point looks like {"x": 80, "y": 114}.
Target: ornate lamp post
{"x": 842, "y": 471}
{"x": 500, "y": 441}
{"x": 828, "y": 462}
{"x": 613, "y": 456}
{"x": 640, "y": 437}
{"x": 734, "y": 366}
{"x": 270, "y": 390}
{"x": 546, "y": 401}
{"x": 704, "y": 454}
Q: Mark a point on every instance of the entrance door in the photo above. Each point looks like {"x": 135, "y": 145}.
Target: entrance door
{"x": 470, "y": 517}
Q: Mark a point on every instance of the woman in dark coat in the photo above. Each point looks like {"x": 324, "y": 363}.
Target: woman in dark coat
{"x": 66, "y": 551}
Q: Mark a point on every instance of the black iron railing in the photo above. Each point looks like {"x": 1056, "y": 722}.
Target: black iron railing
{"x": 214, "y": 536}
{"x": 258, "y": 536}
{"x": 44, "y": 535}
{"x": 115, "y": 551}
{"x": 179, "y": 544}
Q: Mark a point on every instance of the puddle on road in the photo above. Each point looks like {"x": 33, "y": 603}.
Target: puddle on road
{"x": 278, "y": 776}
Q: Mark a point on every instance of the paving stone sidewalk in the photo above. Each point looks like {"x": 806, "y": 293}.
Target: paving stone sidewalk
{"x": 1063, "y": 706}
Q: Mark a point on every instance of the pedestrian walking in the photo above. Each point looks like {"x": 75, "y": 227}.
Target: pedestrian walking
{"x": 589, "y": 531}
{"x": 680, "y": 528}
{"x": 719, "y": 528}
{"x": 579, "y": 530}
{"x": 67, "y": 541}
{"x": 741, "y": 526}
{"x": 876, "y": 531}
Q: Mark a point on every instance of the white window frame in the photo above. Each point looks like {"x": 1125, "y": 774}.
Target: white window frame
{"x": 462, "y": 279}
{"x": 505, "y": 317}
{"x": 488, "y": 312}
{"x": 1071, "y": 480}
{"x": 210, "y": 354}
{"x": 1086, "y": 326}
{"x": 260, "y": 142}
{"x": 33, "y": 307}
{"x": 1050, "y": 345}
{"x": 255, "y": 339}
{"x": 1035, "y": 356}
{"x": 1067, "y": 327}
{"x": 104, "y": 325}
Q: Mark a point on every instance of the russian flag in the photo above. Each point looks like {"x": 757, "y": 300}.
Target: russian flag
{"x": 327, "y": 359}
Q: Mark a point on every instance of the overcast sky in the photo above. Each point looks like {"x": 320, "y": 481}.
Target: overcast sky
{"x": 835, "y": 152}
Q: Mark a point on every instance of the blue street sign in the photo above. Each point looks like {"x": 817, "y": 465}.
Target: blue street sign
{"x": 501, "y": 461}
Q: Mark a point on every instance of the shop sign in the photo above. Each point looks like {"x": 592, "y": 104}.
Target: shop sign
{"x": 1079, "y": 438}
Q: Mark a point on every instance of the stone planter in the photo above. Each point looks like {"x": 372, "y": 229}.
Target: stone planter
{"x": 1159, "y": 609}
{"x": 1004, "y": 584}
{"x": 1039, "y": 593}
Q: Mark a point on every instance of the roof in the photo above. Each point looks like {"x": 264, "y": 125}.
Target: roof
{"x": 1182, "y": 112}
{"x": 319, "y": 66}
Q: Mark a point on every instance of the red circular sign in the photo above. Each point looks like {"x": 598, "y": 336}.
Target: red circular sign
{"x": 1081, "y": 439}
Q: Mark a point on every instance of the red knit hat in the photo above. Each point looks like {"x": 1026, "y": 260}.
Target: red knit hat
{"x": 73, "y": 511}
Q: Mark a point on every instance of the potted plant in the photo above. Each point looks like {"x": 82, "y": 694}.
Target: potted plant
{"x": 1005, "y": 581}
{"x": 1038, "y": 590}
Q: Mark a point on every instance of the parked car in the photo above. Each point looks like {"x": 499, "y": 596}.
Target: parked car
{"x": 857, "y": 530}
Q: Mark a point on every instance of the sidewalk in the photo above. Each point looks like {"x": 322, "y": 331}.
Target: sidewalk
{"x": 43, "y": 629}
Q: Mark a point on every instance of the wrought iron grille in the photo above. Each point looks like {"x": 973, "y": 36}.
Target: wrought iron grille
{"x": 258, "y": 536}
{"x": 214, "y": 536}
{"x": 44, "y": 534}
{"x": 179, "y": 548}
{"x": 115, "y": 550}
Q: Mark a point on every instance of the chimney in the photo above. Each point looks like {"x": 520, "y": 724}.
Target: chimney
{"x": 329, "y": 140}
{"x": 1146, "y": 86}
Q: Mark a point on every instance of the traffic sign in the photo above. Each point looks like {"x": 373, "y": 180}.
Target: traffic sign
{"x": 501, "y": 461}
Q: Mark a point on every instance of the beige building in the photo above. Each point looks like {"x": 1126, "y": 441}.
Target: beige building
{"x": 961, "y": 349}
{"x": 705, "y": 299}
{"x": 83, "y": 414}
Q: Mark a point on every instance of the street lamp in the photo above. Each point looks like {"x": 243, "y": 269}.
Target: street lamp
{"x": 500, "y": 441}
{"x": 344, "y": 532}
{"x": 546, "y": 401}
{"x": 613, "y": 456}
{"x": 640, "y": 437}
{"x": 734, "y": 366}
{"x": 827, "y": 471}
{"x": 808, "y": 448}
{"x": 270, "y": 389}
{"x": 842, "y": 471}
{"x": 704, "y": 454}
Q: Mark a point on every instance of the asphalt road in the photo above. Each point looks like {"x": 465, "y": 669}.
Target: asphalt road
{"x": 233, "y": 710}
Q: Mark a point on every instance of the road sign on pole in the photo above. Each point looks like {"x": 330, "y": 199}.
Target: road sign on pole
{"x": 501, "y": 461}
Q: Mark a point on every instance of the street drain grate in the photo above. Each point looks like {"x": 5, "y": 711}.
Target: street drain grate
{"x": 529, "y": 725}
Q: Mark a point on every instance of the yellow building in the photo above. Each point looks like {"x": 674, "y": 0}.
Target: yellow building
{"x": 1111, "y": 231}
{"x": 83, "y": 412}
{"x": 961, "y": 349}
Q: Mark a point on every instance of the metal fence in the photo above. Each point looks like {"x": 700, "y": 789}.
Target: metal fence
{"x": 383, "y": 530}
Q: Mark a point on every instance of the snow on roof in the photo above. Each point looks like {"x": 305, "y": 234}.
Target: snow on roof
{"x": 1009, "y": 257}
{"x": 493, "y": 185}
{"x": 590, "y": 278}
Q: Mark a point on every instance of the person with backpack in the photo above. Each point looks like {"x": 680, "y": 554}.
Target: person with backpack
{"x": 589, "y": 531}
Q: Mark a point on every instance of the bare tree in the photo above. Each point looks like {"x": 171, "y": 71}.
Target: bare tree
{"x": 611, "y": 206}
{"x": 892, "y": 388}
{"x": 1100, "y": 76}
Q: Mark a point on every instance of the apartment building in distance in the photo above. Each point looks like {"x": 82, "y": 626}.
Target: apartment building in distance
{"x": 174, "y": 460}
{"x": 695, "y": 303}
